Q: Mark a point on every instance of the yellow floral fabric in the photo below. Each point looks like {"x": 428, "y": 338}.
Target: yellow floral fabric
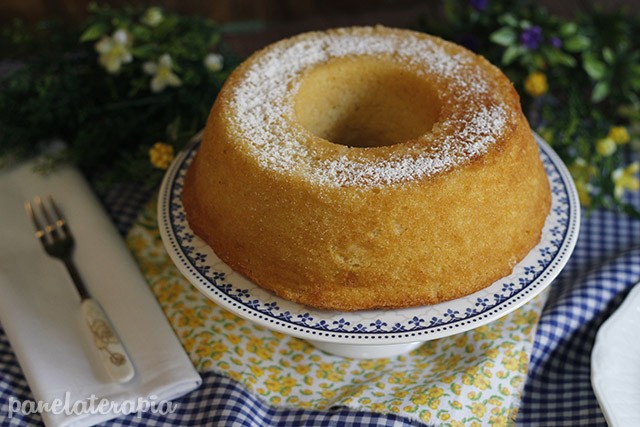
{"x": 472, "y": 379}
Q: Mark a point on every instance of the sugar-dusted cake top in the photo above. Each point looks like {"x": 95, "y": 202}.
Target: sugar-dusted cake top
{"x": 477, "y": 104}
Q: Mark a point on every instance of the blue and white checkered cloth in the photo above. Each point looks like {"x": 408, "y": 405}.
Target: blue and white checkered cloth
{"x": 605, "y": 264}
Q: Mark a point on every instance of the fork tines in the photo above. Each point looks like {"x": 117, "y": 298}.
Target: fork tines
{"x": 54, "y": 227}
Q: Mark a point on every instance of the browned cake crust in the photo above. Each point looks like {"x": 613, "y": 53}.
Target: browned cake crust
{"x": 416, "y": 219}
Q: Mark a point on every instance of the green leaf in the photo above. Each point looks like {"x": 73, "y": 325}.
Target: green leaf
{"x": 538, "y": 61}
{"x": 568, "y": 29}
{"x": 94, "y": 32}
{"x": 140, "y": 32}
{"x": 173, "y": 128}
{"x": 630, "y": 210}
{"x": 509, "y": 19}
{"x": 214, "y": 39}
{"x": 511, "y": 53}
{"x": 557, "y": 57}
{"x": 505, "y": 36}
{"x": 608, "y": 55}
{"x": 594, "y": 67}
{"x": 600, "y": 91}
{"x": 145, "y": 52}
{"x": 577, "y": 43}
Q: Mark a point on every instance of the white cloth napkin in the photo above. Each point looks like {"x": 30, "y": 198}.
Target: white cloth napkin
{"x": 40, "y": 308}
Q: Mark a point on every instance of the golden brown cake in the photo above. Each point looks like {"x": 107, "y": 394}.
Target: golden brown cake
{"x": 368, "y": 167}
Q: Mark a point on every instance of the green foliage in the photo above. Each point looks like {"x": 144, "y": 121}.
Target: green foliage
{"x": 109, "y": 120}
{"x": 130, "y": 78}
{"x": 591, "y": 65}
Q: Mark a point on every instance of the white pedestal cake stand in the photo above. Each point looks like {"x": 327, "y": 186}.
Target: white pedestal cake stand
{"x": 373, "y": 333}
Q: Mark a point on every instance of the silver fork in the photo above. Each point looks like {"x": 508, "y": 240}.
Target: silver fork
{"x": 58, "y": 242}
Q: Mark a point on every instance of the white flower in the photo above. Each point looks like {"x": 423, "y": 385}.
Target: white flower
{"x": 625, "y": 179}
{"x": 152, "y": 17}
{"x": 162, "y": 73}
{"x": 114, "y": 51}
{"x": 214, "y": 62}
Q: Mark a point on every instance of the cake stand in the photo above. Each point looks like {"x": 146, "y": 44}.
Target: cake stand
{"x": 371, "y": 333}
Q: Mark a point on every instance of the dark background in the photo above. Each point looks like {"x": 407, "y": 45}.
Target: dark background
{"x": 272, "y": 20}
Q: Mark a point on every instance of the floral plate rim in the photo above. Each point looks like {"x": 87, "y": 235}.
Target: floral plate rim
{"x": 212, "y": 277}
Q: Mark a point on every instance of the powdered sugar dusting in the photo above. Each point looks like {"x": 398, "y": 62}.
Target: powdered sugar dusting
{"x": 261, "y": 106}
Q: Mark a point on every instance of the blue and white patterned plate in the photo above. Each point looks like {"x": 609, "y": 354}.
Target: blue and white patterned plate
{"x": 196, "y": 260}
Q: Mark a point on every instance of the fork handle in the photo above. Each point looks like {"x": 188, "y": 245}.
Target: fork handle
{"x": 113, "y": 354}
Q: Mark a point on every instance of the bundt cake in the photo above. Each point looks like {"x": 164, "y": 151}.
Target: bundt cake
{"x": 368, "y": 168}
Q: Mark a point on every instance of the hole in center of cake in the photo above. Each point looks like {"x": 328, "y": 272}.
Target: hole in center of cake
{"x": 366, "y": 102}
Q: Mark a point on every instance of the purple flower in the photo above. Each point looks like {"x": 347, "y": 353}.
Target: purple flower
{"x": 555, "y": 42}
{"x": 479, "y": 5}
{"x": 531, "y": 37}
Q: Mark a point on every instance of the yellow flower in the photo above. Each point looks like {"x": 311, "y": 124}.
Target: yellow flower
{"x": 334, "y": 376}
{"x": 189, "y": 343}
{"x": 367, "y": 364}
{"x": 152, "y": 17}
{"x": 536, "y": 84}
{"x": 619, "y": 134}
{"x": 288, "y": 381}
{"x": 234, "y": 375}
{"x": 273, "y": 385}
{"x": 481, "y": 382}
{"x": 478, "y": 409}
{"x": 162, "y": 72}
{"x": 505, "y": 391}
{"x": 495, "y": 402}
{"x": 378, "y": 407}
{"x": 606, "y": 147}
{"x": 214, "y": 62}
{"x": 161, "y": 155}
{"x": 234, "y": 339}
{"x": 419, "y": 399}
{"x": 435, "y": 392}
{"x": 218, "y": 350}
{"x": 275, "y": 400}
{"x": 264, "y": 353}
{"x": 510, "y": 363}
{"x": 498, "y": 421}
{"x": 624, "y": 179}
{"x": 295, "y": 344}
{"x": 256, "y": 370}
{"x": 303, "y": 369}
{"x": 114, "y": 51}
{"x": 492, "y": 353}
{"x": 400, "y": 393}
{"x": 456, "y": 388}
